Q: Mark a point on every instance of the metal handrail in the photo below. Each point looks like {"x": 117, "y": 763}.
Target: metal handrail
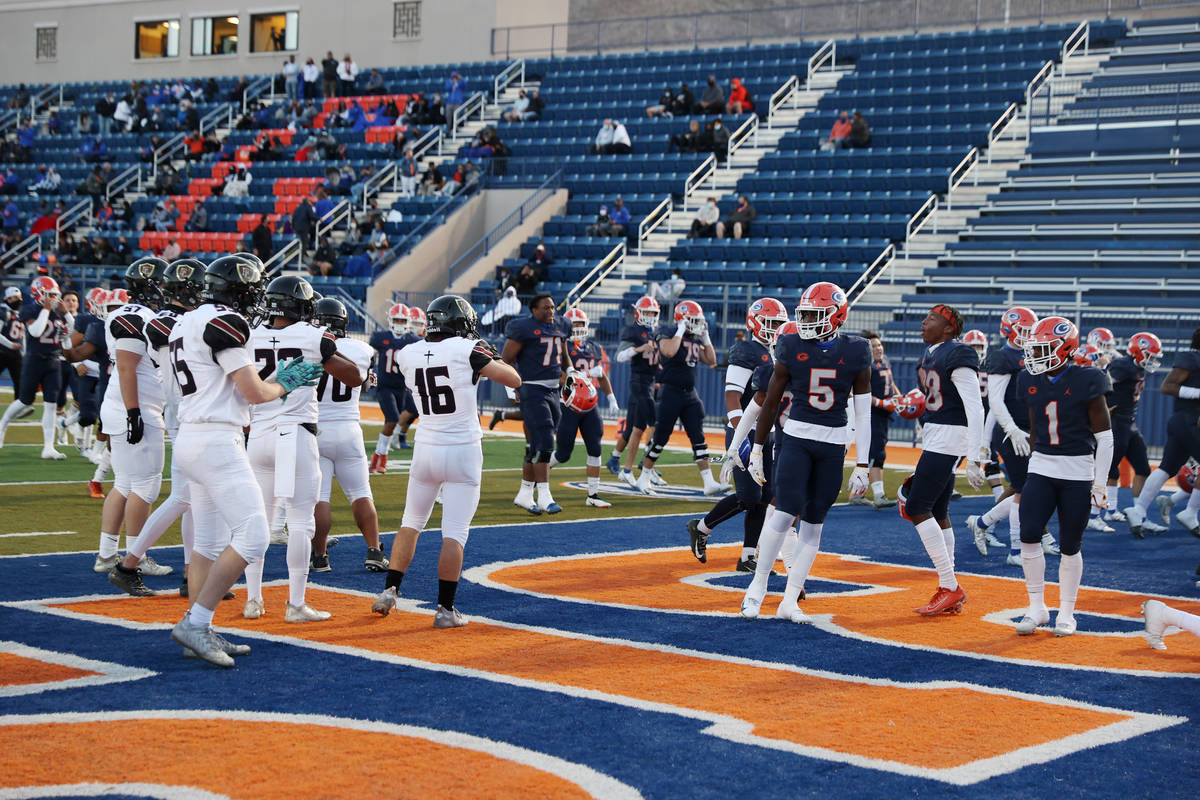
{"x": 81, "y": 210}
{"x": 884, "y": 261}
{"x": 431, "y": 137}
{"x": 707, "y": 169}
{"x": 917, "y": 221}
{"x": 210, "y": 119}
{"x": 292, "y": 251}
{"x": 1080, "y": 35}
{"x": 969, "y": 164}
{"x": 122, "y": 180}
{"x": 388, "y": 257}
{"x": 507, "y": 76}
{"x": 355, "y": 306}
{"x": 165, "y": 151}
{"x": 651, "y": 222}
{"x": 745, "y": 131}
{"x": 472, "y": 104}
{"x": 827, "y": 51}
{"x": 254, "y": 90}
{"x": 789, "y": 90}
{"x": 376, "y": 181}
{"x": 18, "y": 253}
{"x": 606, "y": 265}
{"x": 1002, "y": 124}
{"x": 341, "y": 211}
{"x": 1040, "y": 80}
{"x": 43, "y": 95}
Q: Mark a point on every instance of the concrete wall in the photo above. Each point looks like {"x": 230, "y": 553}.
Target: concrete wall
{"x": 508, "y": 247}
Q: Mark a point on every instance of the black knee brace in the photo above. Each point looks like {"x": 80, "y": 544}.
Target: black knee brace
{"x": 699, "y": 451}
{"x": 528, "y": 454}
{"x": 541, "y": 457}
{"x": 654, "y": 451}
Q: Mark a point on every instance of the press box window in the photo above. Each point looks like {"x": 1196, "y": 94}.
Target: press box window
{"x": 214, "y": 36}
{"x": 156, "y": 39}
{"x": 270, "y": 32}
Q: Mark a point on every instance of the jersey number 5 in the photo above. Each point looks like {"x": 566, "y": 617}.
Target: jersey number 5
{"x": 435, "y": 399}
{"x": 820, "y": 397}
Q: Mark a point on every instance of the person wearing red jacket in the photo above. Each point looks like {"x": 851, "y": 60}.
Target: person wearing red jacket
{"x": 739, "y": 98}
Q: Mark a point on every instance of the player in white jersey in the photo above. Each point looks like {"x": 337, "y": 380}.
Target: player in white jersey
{"x": 182, "y": 283}
{"x": 218, "y": 383}
{"x": 447, "y": 457}
{"x": 283, "y": 436}
{"x": 131, "y": 414}
{"x": 340, "y": 444}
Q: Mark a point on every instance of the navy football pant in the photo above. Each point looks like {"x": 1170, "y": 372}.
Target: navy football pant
{"x": 808, "y": 477}
{"x": 1015, "y": 466}
{"x": 11, "y": 360}
{"x": 640, "y": 407}
{"x": 589, "y": 425}
{"x": 391, "y": 400}
{"x": 540, "y": 412}
{"x": 932, "y": 485}
{"x": 879, "y": 438}
{"x": 1129, "y": 445}
{"x": 1042, "y": 497}
{"x": 40, "y": 370}
{"x": 682, "y": 405}
{"x": 1183, "y": 440}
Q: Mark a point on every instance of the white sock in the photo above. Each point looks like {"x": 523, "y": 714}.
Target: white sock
{"x": 787, "y": 552}
{"x": 16, "y": 408}
{"x": 1193, "y": 503}
{"x": 49, "y": 414}
{"x": 1158, "y": 478}
{"x": 1014, "y": 527}
{"x": 593, "y": 484}
{"x": 543, "y": 494}
{"x": 108, "y": 544}
{"x": 706, "y": 476}
{"x": 703, "y": 528}
{"x": 1033, "y": 564}
{"x": 1070, "y": 573}
{"x": 200, "y": 616}
{"x": 254, "y": 574}
{"x": 935, "y": 545}
{"x": 1182, "y": 620}
{"x": 299, "y": 551}
{"x": 156, "y": 525}
{"x": 526, "y": 490}
{"x": 769, "y": 541}
{"x": 381, "y": 445}
{"x": 554, "y": 462}
{"x": 997, "y": 490}
{"x": 877, "y": 489}
{"x": 808, "y": 543}
{"x": 997, "y": 512}
{"x": 948, "y": 538}
{"x": 1112, "y": 497}
{"x": 102, "y": 468}
{"x": 747, "y": 552}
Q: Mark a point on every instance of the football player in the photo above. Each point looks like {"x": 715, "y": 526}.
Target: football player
{"x": 1183, "y": 437}
{"x": 45, "y": 331}
{"x": 340, "y": 443}
{"x": 822, "y": 368}
{"x": 391, "y": 390}
{"x": 283, "y": 436}
{"x": 1103, "y": 340}
{"x": 1068, "y": 471}
{"x": 952, "y": 426}
{"x": 638, "y": 347}
{"x": 1128, "y": 377}
{"x": 409, "y": 413}
{"x": 94, "y": 348}
{"x": 1159, "y": 616}
{"x": 536, "y": 347}
{"x": 12, "y": 333}
{"x": 883, "y": 404}
{"x": 764, "y": 317}
{"x": 217, "y": 384}
{"x": 995, "y": 478}
{"x": 87, "y": 372}
{"x": 680, "y": 351}
{"x": 447, "y": 456}
{"x": 579, "y": 395}
{"x": 70, "y": 301}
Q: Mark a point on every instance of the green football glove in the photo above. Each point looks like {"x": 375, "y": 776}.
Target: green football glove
{"x": 296, "y": 373}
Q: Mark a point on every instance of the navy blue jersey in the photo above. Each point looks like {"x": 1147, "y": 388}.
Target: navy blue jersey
{"x": 821, "y": 375}
{"x": 388, "y": 346}
{"x": 643, "y": 367}
{"x": 882, "y": 384}
{"x": 943, "y": 404}
{"x": 1010, "y": 361}
{"x": 95, "y": 337}
{"x": 680, "y": 369}
{"x": 542, "y": 345}
{"x": 11, "y": 327}
{"x": 1128, "y": 380}
{"x": 1059, "y": 407}
{"x": 749, "y": 354}
{"x": 1188, "y": 360}
{"x": 760, "y": 381}
{"x": 50, "y": 342}
{"x": 82, "y": 320}
{"x": 585, "y": 355}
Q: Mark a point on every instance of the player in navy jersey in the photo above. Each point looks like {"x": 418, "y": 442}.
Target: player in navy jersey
{"x": 1183, "y": 436}
{"x": 1127, "y": 374}
{"x": 764, "y": 317}
{"x": 952, "y": 427}
{"x": 1068, "y": 471}
{"x": 640, "y": 348}
{"x": 92, "y": 348}
{"x": 580, "y": 414}
{"x": 822, "y": 368}
{"x": 995, "y": 477}
{"x": 45, "y": 331}
{"x": 680, "y": 350}
{"x": 391, "y": 391}
{"x": 883, "y": 405}
{"x": 70, "y": 308}
{"x": 87, "y": 372}
{"x": 536, "y": 346}
{"x": 12, "y": 334}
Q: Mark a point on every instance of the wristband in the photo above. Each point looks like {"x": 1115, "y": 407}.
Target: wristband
{"x": 733, "y": 417}
{"x": 756, "y": 448}
{"x": 1189, "y": 393}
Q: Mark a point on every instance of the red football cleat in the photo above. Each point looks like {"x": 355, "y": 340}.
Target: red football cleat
{"x": 378, "y": 463}
{"x": 96, "y": 490}
{"x": 943, "y": 601}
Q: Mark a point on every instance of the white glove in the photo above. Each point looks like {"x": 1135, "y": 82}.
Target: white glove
{"x": 612, "y": 402}
{"x": 681, "y": 329}
{"x": 858, "y": 482}
{"x": 984, "y": 455}
{"x": 730, "y": 459}
{"x": 1100, "y": 495}
{"x": 511, "y": 393}
{"x": 1019, "y": 439}
{"x": 756, "y": 465}
{"x": 597, "y": 371}
{"x": 975, "y": 475}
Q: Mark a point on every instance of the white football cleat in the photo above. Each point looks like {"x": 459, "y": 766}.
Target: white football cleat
{"x": 448, "y": 618}
{"x": 50, "y": 454}
{"x": 1165, "y": 505}
{"x": 595, "y": 501}
{"x": 643, "y": 483}
{"x": 1190, "y": 520}
{"x": 1156, "y": 624}
{"x": 656, "y": 477}
{"x": 1049, "y": 546}
{"x": 1032, "y": 620}
{"x": 1153, "y": 527}
{"x": 385, "y": 602}
{"x": 149, "y": 566}
{"x": 105, "y": 564}
{"x": 254, "y": 609}
{"x": 1136, "y": 519}
{"x": 978, "y": 534}
{"x": 792, "y": 614}
{"x": 304, "y": 613}
{"x": 1099, "y": 525}
{"x": 1114, "y": 516}
{"x": 1014, "y": 559}
{"x": 1064, "y": 626}
{"x": 750, "y": 607}
{"x": 716, "y": 488}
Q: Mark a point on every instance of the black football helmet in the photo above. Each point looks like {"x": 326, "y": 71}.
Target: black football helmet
{"x": 143, "y": 280}
{"x": 235, "y": 281}
{"x": 290, "y": 296}
{"x": 183, "y": 281}
{"x": 331, "y": 312}
{"x": 450, "y": 315}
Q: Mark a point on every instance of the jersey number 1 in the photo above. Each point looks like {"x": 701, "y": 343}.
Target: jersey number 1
{"x": 435, "y": 399}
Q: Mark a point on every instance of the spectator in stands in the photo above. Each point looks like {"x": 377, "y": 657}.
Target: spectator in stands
{"x": 26, "y": 137}
{"x": 238, "y": 92}
{"x": 739, "y": 98}
{"x": 212, "y": 145}
{"x": 738, "y": 221}
{"x": 541, "y": 256}
{"x": 123, "y": 217}
{"x": 20, "y": 98}
{"x": 172, "y": 251}
{"x": 329, "y": 75}
{"x": 198, "y": 221}
{"x": 621, "y": 144}
{"x": 455, "y": 89}
{"x": 260, "y": 239}
{"x": 93, "y": 150}
{"x": 189, "y": 117}
{"x": 379, "y": 236}
{"x": 11, "y": 184}
{"x": 719, "y": 136}
{"x": 360, "y": 184}
{"x": 84, "y": 123}
{"x": 45, "y": 223}
{"x": 237, "y": 183}
{"x": 347, "y": 73}
{"x": 432, "y": 181}
{"x": 375, "y": 84}
{"x": 620, "y": 217}
{"x": 604, "y": 138}
{"x": 291, "y": 78}
{"x": 536, "y": 106}
{"x": 123, "y": 116}
{"x": 838, "y": 133}
{"x": 408, "y": 174}
{"x": 527, "y": 278}
{"x": 324, "y": 259}
{"x": 362, "y": 265}
{"x": 860, "y": 132}
{"x": 712, "y": 101}
{"x": 105, "y": 108}
{"x": 603, "y": 224}
{"x": 48, "y": 181}
{"x": 323, "y": 206}
{"x": 12, "y": 218}
{"x": 122, "y": 250}
{"x": 167, "y": 181}
{"x": 210, "y": 91}
{"x": 688, "y": 141}
{"x": 517, "y": 111}
{"x": 303, "y": 221}
{"x": 159, "y": 219}
{"x": 104, "y": 216}
{"x": 93, "y": 185}
{"x": 54, "y": 124}
{"x": 507, "y": 307}
{"x": 665, "y": 105}
{"x": 195, "y": 145}
{"x": 704, "y": 226}
{"x": 669, "y": 291}
{"x": 310, "y": 76}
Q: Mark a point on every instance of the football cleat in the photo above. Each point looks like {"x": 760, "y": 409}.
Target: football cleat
{"x": 992, "y": 541}
{"x": 714, "y": 489}
{"x": 861, "y": 500}
{"x": 50, "y": 454}
{"x": 254, "y": 609}
{"x": 202, "y": 641}
{"x": 448, "y": 618}
{"x": 1190, "y": 520}
{"x": 106, "y": 563}
{"x": 149, "y": 566}
{"x": 96, "y": 490}
{"x": 1156, "y": 623}
{"x": 747, "y": 564}
{"x": 1014, "y": 558}
{"x": 403, "y": 444}
{"x": 882, "y": 502}
{"x": 643, "y": 483}
{"x": 943, "y": 601}
{"x": 1164, "y": 508}
{"x": 1099, "y": 525}
{"x": 792, "y": 614}
{"x": 129, "y": 581}
{"x": 978, "y": 534}
{"x": 227, "y": 647}
{"x": 320, "y": 563}
{"x": 1114, "y": 516}
{"x": 385, "y": 602}
{"x": 524, "y": 499}
{"x": 553, "y": 508}
{"x": 595, "y": 501}
{"x": 1032, "y": 621}
{"x": 699, "y": 541}
{"x": 376, "y": 561}
{"x": 1153, "y": 527}
{"x": 614, "y": 464}
{"x": 1136, "y": 518}
{"x": 656, "y": 477}
{"x": 1049, "y": 546}
{"x": 750, "y": 607}
{"x": 626, "y": 476}
{"x": 497, "y": 415}
{"x": 1064, "y": 626}
{"x": 304, "y": 613}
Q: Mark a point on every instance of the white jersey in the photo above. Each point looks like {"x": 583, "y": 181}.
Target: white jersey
{"x": 338, "y": 402}
{"x": 158, "y": 334}
{"x": 206, "y": 346}
{"x": 271, "y": 348}
{"x": 442, "y": 380}
{"x": 125, "y": 330}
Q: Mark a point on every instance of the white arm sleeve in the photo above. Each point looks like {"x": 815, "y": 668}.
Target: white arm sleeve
{"x": 1185, "y": 392}
{"x": 39, "y": 325}
{"x": 997, "y": 386}
{"x": 989, "y": 422}
{"x": 967, "y": 382}
{"x": 736, "y": 378}
{"x": 745, "y": 425}
{"x": 625, "y": 354}
{"x": 1104, "y": 454}
{"x": 862, "y": 428}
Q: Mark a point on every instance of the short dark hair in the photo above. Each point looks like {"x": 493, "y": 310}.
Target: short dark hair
{"x": 869, "y": 334}
{"x": 537, "y": 298}
{"x": 71, "y": 291}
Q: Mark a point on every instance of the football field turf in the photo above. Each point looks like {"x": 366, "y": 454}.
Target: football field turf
{"x": 601, "y": 659}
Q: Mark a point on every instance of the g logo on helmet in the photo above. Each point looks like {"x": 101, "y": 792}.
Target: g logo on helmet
{"x": 1142, "y": 343}
{"x": 757, "y": 307}
{"x": 1062, "y": 328}
{"x": 1012, "y": 316}
{"x": 839, "y": 297}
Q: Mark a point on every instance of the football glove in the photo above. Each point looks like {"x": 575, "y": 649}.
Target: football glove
{"x": 1100, "y": 496}
{"x": 859, "y": 482}
{"x": 1019, "y": 439}
{"x": 296, "y": 373}
{"x": 975, "y": 475}
{"x": 135, "y": 429}
{"x": 756, "y": 465}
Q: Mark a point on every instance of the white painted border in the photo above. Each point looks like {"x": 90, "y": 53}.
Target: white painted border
{"x": 109, "y": 672}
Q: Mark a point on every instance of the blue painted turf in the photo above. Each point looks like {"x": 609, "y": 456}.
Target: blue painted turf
{"x": 661, "y": 754}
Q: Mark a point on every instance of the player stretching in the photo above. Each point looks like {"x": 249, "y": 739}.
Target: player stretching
{"x": 217, "y": 384}
{"x": 1068, "y": 471}
{"x": 45, "y": 331}
{"x": 447, "y": 458}
{"x": 953, "y": 428}
{"x": 821, "y": 367}
{"x": 639, "y": 347}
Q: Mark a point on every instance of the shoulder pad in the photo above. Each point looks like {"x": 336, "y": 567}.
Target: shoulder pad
{"x": 226, "y": 330}
{"x": 126, "y": 326}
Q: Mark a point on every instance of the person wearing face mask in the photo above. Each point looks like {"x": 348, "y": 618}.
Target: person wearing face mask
{"x": 621, "y": 144}
{"x": 604, "y": 138}
{"x": 704, "y": 225}
{"x": 738, "y": 221}
{"x": 712, "y": 101}
{"x": 720, "y": 139}
{"x": 688, "y": 141}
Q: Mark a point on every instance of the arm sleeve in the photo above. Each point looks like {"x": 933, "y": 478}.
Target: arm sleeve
{"x": 625, "y": 352}
{"x": 482, "y": 354}
{"x": 745, "y": 426}
{"x": 38, "y": 325}
{"x": 1104, "y": 454}
{"x": 997, "y": 386}
{"x": 862, "y": 428}
{"x": 736, "y": 378}
{"x": 989, "y": 422}
{"x": 226, "y": 331}
{"x": 966, "y": 380}
{"x": 328, "y": 346}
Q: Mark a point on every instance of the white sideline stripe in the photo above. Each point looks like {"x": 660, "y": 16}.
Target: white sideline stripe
{"x": 722, "y": 726}
{"x": 38, "y": 533}
{"x": 159, "y": 791}
{"x": 109, "y": 672}
{"x": 592, "y": 781}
